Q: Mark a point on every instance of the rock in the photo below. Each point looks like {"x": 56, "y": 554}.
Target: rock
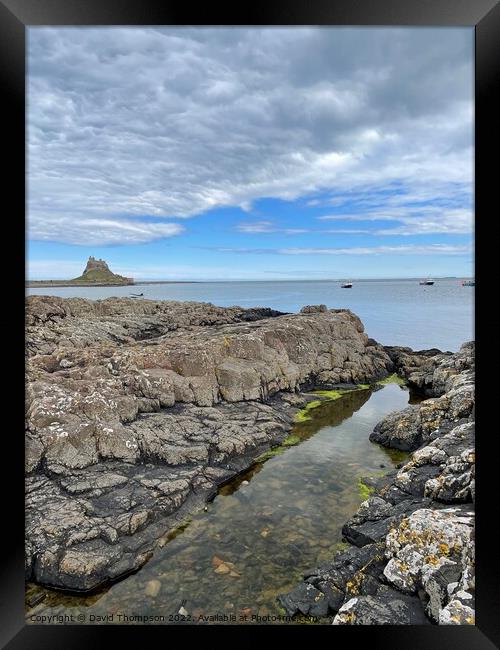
{"x": 374, "y": 518}
{"x": 456, "y": 613}
{"x": 430, "y": 371}
{"x": 152, "y": 588}
{"x": 222, "y": 569}
{"x": 419, "y": 423}
{"x": 138, "y": 408}
{"x": 415, "y": 555}
{"x": 426, "y": 541}
{"x": 302, "y": 599}
{"x": 313, "y": 309}
{"x": 388, "y": 608}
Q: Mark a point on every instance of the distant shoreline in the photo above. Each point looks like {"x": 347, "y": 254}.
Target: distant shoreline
{"x": 40, "y": 284}
{"x": 34, "y": 284}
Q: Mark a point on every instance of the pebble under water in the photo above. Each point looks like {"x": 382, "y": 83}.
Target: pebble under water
{"x": 228, "y": 563}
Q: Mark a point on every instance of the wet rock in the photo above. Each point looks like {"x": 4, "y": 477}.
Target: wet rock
{"x": 152, "y": 588}
{"x": 374, "y": 518}
{"x": 302, "y": 599}
{"x": 388, "y": 607}
{"x": 222, "y": 569}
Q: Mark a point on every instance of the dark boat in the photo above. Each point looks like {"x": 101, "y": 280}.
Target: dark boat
{"x": 427, "y": 282}
{"x": 346, "y": 285}
{"x": 469, "y": 283}
{"x": 136, "y": 295}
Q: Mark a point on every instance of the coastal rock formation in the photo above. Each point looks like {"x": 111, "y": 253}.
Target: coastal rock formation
{"x": 430, "y": 371}
{"x": 412, "y": 558}
{"x": 450, "y": 377}
{"x": 138, "y": 410}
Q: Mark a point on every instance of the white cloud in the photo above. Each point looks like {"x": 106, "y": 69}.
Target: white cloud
{"x": 428, "y": 249}
{"x": 415, "y": 221}
{"x": 101, "y": 231}
{"x": 131, "y": 122}
{"x": 259, "y": 227}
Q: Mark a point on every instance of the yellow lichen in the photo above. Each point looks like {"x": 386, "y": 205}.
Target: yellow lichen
{"x": 444, "y": 549}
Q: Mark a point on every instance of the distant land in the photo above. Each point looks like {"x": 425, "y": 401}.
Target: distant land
{"x": 96, "y": 274}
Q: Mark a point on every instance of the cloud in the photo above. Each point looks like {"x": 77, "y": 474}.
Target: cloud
{"x": 258, "y": 227}
{"x": 429, "y": 249}
{"x": 101, "y": 231}
{"x": 415, "y": 221}
{"x": 126, "y": 123}
{"x": 349, "y": 231}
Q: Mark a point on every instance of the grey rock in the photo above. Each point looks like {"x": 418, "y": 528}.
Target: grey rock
{"x": 138, "y": 410}
{"x": 388, "y": 607}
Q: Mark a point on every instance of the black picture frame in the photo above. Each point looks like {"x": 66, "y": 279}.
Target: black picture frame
{"x": 484, "y": 15}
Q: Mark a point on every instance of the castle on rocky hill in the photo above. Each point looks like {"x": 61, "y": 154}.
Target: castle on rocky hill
{"x": 92, "y": 264}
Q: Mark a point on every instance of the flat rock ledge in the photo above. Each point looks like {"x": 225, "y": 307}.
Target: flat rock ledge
{"x": 411, "y": 559}
{"x": 138, "y": 410}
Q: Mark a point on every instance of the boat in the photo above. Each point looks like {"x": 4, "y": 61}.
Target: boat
{"x": 427, "y": 282}
{"x": 136, "y": 295}
{"x": 468, "y": 283}
{"x": 346, "y": 285}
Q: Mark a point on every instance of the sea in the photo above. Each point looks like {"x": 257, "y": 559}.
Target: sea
{"x": 394, "y": 312}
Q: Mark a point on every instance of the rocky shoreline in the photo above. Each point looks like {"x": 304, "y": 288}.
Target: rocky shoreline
{"x": 411, "y": 559}
{"x": 138, "y": 411}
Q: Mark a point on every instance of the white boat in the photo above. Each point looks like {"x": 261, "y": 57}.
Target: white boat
{"x": 346, "y": 285}
{"x": 427, "y": 282}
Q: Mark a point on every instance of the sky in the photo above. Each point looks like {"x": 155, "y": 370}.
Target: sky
{"x": 250, "y": 153}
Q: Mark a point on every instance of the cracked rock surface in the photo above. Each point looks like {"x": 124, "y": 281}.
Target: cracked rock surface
{"x": 137, "y": 410}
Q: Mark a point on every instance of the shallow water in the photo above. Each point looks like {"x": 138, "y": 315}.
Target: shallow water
{"x": 282, "y": 517}
{"x": 394, "y": 312}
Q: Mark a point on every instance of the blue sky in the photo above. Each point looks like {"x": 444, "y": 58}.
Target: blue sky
{"x": 245, "y": 153}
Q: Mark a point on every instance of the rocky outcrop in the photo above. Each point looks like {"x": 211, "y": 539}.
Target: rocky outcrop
{"x": 137, "y": 411}
{"x": 412, "y": 559}
{"x": 448, "y": 377}
{"x": 431, "y": 371}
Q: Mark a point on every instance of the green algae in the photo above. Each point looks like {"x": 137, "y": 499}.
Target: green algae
{"x": 303, "y": 415}
{"x": 392, "y": 379}
{"x": 365, "y": 491}
{"x": 291, "y": 441}
{"x": 397, "y": 455}
{"x": 327, "y": 396}
{"x": 331, "y": 394}
{"x": 270, "y": 453}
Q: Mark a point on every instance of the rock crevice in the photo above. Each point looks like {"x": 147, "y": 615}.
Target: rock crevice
{"x": 412, "y": 554}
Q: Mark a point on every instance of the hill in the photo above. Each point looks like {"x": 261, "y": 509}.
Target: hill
{"x": 96, "y": 273}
